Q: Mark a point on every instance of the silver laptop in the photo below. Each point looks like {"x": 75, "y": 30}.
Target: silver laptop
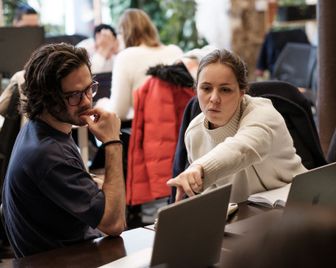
{"x": 314, "y": 187}
{"x": 189, "y": 233}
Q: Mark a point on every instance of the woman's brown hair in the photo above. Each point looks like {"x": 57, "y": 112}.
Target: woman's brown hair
{"x": 137, "y": 28}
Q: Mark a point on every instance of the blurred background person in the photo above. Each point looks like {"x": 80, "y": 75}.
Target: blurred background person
{"x": 143, "y": 49}
{"x": 25, "y": 15}
{"x": 102, "y": 48}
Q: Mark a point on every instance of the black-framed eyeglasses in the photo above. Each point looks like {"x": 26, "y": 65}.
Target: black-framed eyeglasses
{"x": 76, "y": 97}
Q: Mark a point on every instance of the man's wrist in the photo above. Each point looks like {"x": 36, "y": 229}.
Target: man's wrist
{"x": 112, "y": 142}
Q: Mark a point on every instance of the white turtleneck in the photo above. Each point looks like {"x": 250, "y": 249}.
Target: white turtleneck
{"x": 254, "y": 150}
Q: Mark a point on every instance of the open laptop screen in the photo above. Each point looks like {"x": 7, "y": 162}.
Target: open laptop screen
{"x": 190, "y": 233}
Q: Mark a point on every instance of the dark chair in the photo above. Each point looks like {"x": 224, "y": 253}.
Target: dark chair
{"x": 273, "y": 44}
{"x": 296, "y": 110}
{"x": 331, "y": 156}
{"x": 70, "y": 39}
{"x": 289, "y": 102}
{"x": 295, "y": 64}
{"x": 104, "y": 88}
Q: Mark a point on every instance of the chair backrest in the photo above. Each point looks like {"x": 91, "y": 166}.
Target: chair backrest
{"x": 295, "y": 64}
{"x": 8, "y": 133}
{"x": 331, "y": 156}
{"x": 274, "y": 43}
{"x": 70, "y": 39}
{"x": 296, "y": 111}
{"x": 104, "y": 88}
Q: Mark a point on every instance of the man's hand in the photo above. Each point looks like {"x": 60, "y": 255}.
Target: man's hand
{"x": 103, "y": 124}
{"x": 106, "y": 44}
{"x": 188, "y": 182}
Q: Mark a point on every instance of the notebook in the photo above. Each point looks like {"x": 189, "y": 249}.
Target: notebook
{"x": 271, "y": 199}
{"x": 316, "y": 187}
{"x": 189, "y": 233}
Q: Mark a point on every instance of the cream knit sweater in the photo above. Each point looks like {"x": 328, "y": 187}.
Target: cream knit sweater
{"x": 254, "y": 151}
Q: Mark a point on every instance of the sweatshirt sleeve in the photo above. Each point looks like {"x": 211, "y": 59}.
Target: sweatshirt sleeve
{"x": 121, "y": 92}
{"x": 251, "y": 144}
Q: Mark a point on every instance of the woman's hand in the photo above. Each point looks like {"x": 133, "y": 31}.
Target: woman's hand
{"x": 188, "y": 182}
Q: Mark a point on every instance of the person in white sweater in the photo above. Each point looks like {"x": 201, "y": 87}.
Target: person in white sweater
{"x": 143, "y": 49}
{"x": 237, "y": 138}
{"x": 102, "y": 48}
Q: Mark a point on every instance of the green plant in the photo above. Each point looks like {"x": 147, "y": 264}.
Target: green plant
{"x": 291, "y": 2}
{"x": 9, "y": 7}
{"x": 175, "y": 20}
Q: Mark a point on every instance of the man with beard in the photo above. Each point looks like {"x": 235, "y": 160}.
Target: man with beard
{"x": 49, "y": 199}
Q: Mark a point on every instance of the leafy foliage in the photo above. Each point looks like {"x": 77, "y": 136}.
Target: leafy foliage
{"x": 175, "y": 20}
{"x": 9, "y": 7}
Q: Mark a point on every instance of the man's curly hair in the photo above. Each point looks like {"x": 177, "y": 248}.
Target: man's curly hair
{"x": 44, "y": 72}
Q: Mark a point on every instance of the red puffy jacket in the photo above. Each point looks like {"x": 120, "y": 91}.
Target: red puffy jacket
{"x": 158, "y": 111}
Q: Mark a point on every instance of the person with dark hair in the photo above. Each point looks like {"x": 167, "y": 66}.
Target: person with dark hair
{"x": 49, "y": 199}
{"x": 237, "y": 138}
{"x": 102, "y": 48}
{"x": 25, "y": 15}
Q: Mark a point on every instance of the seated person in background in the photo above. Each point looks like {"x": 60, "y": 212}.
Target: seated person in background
{"x": 6, "y": 95}
{"x": 102, "y": 48}
{"x": 25, "y": 15}
{"x": 192, "y": 58}
{"x": 236, "y": 139}
{"x": 143, "y": 49}
{"x": 49, "y": 199}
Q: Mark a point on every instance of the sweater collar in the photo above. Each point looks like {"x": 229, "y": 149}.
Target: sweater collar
{"x": 229, "y": 129}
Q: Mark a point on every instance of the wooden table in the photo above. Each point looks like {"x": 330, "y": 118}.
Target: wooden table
{"x": 101, "y": 251}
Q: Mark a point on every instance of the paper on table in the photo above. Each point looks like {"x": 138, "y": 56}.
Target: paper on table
{"x": 272, "y": 198}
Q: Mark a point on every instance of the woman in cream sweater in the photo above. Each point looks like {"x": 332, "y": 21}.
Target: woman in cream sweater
{"x": 237, "y": 138}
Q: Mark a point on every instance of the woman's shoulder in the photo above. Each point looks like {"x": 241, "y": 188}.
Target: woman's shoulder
{"x": 175, "y": 48}
{"x": 258, "y": 108}
{"x": 256, "y": 103}
{"x": 195, "y": 123}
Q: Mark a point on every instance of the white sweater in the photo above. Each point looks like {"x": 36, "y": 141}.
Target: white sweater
{"x": 254, "y": 151}
{"x": 129, "y": 73}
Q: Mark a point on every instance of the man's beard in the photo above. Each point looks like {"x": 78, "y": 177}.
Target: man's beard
{"x": 65, "y": 117}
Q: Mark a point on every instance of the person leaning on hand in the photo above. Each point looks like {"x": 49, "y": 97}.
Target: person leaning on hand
{"x": 49, "y": 199}
{"x": 237, "y": 138}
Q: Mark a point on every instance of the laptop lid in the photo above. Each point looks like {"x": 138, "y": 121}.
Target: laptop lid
{"x": 190, "y": 232}
{"x": 315, "y": 187}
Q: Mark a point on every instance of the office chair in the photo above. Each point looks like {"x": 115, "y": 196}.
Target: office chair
{"x": 296, "y": 110}
{"x": 331, "y": 156}
{"x": 274, "y": 43}
{"x": 295, "y": 64}
{"x": 104, "y": 87}
{"x": 73, "y": 39}
{"x": 289, "y": 102}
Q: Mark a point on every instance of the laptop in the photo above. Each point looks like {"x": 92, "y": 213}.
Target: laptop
{"x": 189, "y": 233}
{"x": 314, "y": 187}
